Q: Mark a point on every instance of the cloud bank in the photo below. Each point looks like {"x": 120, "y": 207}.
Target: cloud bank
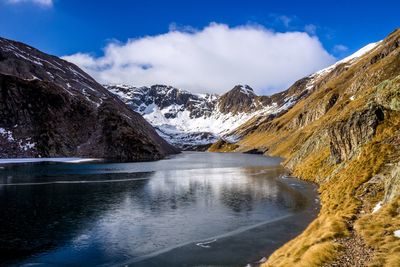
{"x": 213, "y": 59}
{"x": 46, "y": 3}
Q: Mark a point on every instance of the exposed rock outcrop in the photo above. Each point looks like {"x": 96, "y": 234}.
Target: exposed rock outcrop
{"x": 344, "y": 135}
{"x": 347, "y": 136}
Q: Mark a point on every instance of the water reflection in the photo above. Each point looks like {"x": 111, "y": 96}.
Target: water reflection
{"x": 60, "y": 214}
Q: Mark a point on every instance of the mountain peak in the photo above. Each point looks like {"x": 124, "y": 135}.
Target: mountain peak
{"x": 243, "y": 89}
{"x": 240, "y": 99}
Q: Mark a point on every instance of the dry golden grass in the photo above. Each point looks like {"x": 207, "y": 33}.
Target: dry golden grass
{"x": 377, "y": 230}
{"x": 340, "y": 184}
{"x": 222, "y": 146}
{"x": 316, "y": 244}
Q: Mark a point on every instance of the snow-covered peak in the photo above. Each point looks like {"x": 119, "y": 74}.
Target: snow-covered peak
{"x": 360, "y": 52}
{"x": 245, "y": 89}
{"x": 312, "y": 79}
{"x": 187, "y": 119}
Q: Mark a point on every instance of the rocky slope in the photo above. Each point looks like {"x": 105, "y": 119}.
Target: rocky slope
{"x": 50, "y": 108}
{"x": 345, "y": 136}
{"x": 195, "y": 121}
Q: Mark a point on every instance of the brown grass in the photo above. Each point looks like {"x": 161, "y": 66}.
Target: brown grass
{"x": 377, "y": 230}
{"x": 340, "y": 184}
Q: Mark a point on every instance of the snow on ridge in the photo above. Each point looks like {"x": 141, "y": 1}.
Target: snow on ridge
{"x": 359, "y": 53}
{"x": 182, "y": 122}
{"x": 349, "y": 59}
{"x": 216, "y": 123}
{"x": 247, "y": 90}
{"x": 196, "y": 121}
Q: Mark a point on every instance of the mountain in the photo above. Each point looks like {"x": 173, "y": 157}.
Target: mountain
{"x": 195, "y": 121}
{"x": 51, "y": 108}
{"x": 345, "y": 136}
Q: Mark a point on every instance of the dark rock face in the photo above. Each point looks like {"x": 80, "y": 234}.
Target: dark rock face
{"x": 50, "y": 108}
{"x": 254, "y": 151}
{"x": 163, "y": 96}
{"x": 347, "y": 136}
{"x": 392, "y": 43}
{"x": 239, "y": 99}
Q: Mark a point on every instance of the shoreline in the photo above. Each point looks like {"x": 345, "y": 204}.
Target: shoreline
{"x": 274, "y": 232}
{"x": 278, "y": 231}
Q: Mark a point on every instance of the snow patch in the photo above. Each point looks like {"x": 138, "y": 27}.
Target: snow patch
{"x": 397, "y": 233}
{"x": 27, "y": 145}
{"x": 263, "y": 259}
{"x": 377, "y": 207}
{"x": 7, "y": 134}
{"x": 245, "y": 89}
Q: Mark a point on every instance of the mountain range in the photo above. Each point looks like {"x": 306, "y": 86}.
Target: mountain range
{"x": 338, "y": 127}
{"x": 195, "y": 121}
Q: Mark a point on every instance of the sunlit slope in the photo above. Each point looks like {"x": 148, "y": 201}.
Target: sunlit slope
{"x": 345, "y": 135}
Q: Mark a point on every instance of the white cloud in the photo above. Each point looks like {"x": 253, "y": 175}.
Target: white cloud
{"x": 213, "y": 59}
{"x": 311, "y": 29}
{"x": 340, "y": 48}
{"x": 285, "y": 20}
{"x": 46, "y": 3}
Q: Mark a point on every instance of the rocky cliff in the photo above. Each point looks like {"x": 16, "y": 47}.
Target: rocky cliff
{"x": 343, "y": 135}
{"x": 51, "y": 108}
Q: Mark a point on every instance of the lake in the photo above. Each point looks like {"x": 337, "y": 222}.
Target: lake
{"x": 193, "y": 209}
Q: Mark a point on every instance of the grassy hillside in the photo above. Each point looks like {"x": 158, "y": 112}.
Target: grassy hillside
{"x": 345, "y": 135}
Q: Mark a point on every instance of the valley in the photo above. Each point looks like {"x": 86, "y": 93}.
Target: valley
{"x": 98, "y": 172}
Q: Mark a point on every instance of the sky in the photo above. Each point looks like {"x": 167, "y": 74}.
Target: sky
{"x": 202, "y": 46}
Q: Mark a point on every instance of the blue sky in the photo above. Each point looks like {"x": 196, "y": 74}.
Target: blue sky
{"x": 65, "y": 27}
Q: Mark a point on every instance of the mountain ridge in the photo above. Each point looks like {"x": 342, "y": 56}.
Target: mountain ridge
{"x": 49, "y": 107}
{"x": 344, "y": 136}
{"x": 196, "y": 121}
{"x": 193, "y": 121}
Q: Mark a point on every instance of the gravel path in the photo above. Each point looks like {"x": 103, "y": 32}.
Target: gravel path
{"x": 355, "y": 252}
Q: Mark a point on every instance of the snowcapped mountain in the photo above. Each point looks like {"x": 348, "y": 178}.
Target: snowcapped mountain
{"x": 195, "y": 121}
